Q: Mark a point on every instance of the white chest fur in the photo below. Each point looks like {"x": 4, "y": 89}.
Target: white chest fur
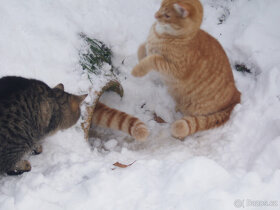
{"x": 162, "y": 28}
{"x": 153, "y": 43}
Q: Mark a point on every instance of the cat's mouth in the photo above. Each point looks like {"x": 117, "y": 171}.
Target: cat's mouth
{"x": 165, "y": 28}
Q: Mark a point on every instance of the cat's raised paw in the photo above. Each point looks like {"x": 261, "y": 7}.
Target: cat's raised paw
{"x": 180, "y": 129}
{"x": 140, "y": 132}
{"x": 138, "y": 71}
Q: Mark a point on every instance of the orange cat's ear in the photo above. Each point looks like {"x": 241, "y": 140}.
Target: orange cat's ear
{"x": 182, "y": 10}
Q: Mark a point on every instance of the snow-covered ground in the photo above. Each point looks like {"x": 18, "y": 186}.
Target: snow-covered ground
{"x": 230, "y": 167}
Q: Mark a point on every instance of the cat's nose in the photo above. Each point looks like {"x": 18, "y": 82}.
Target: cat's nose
{"x": 157, "y": 15}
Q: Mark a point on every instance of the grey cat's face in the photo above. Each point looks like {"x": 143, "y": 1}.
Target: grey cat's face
{"x": 70, "y": 106}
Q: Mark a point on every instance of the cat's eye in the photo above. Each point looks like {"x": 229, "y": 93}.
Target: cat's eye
{"x": 166, "y": 16}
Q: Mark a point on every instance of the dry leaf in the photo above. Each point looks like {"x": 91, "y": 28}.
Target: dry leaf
{"x": 120, "y": 165}
{"x": 158, "y": 119}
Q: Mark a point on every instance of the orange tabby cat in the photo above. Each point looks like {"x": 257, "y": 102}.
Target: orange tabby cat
{"x": 112, "y": 118}
{"x": 194, "y": 66}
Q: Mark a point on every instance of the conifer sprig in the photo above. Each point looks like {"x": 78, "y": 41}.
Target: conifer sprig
{"x": 95, "y": 55}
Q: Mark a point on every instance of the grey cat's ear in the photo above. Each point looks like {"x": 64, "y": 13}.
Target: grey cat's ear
{"x": 60, "y": 86}
{"x": 75, "y": 101}
{"x": 82, "y": 98}
{"x": 181, "y": 9}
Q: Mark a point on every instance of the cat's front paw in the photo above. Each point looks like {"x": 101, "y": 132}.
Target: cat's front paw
{"x": 37, "y": 149}
{"x": 20, "y": 167}
{"x": 138, "y": 71}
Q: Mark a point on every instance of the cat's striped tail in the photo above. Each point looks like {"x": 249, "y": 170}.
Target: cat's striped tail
{"x": 108, "y": 117}
{"x": 191, "y": 124}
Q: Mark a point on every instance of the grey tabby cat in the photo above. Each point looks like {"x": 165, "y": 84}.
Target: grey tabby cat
{"x": 29, "y": 111}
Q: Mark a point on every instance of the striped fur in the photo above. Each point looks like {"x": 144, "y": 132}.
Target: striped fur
{"x": 192, "y": 124}
{"x": 108, "y": 117}
{"x": 30, "y": 111}
{"x": 193, "y": 64}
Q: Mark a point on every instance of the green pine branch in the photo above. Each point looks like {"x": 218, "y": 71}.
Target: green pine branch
{"x": 95, "y": 56}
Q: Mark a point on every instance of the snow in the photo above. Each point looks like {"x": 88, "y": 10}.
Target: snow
{"x": 223, "y": 168}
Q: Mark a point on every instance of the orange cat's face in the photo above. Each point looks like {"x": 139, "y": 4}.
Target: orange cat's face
{"x": 178, "y": 17}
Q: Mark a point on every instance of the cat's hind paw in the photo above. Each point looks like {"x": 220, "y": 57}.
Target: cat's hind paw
{"x": 180, "y": 129}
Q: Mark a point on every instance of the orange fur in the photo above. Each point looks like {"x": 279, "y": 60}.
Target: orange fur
{"x": 194, "y": 65}
{"x": 112, "y": 118}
